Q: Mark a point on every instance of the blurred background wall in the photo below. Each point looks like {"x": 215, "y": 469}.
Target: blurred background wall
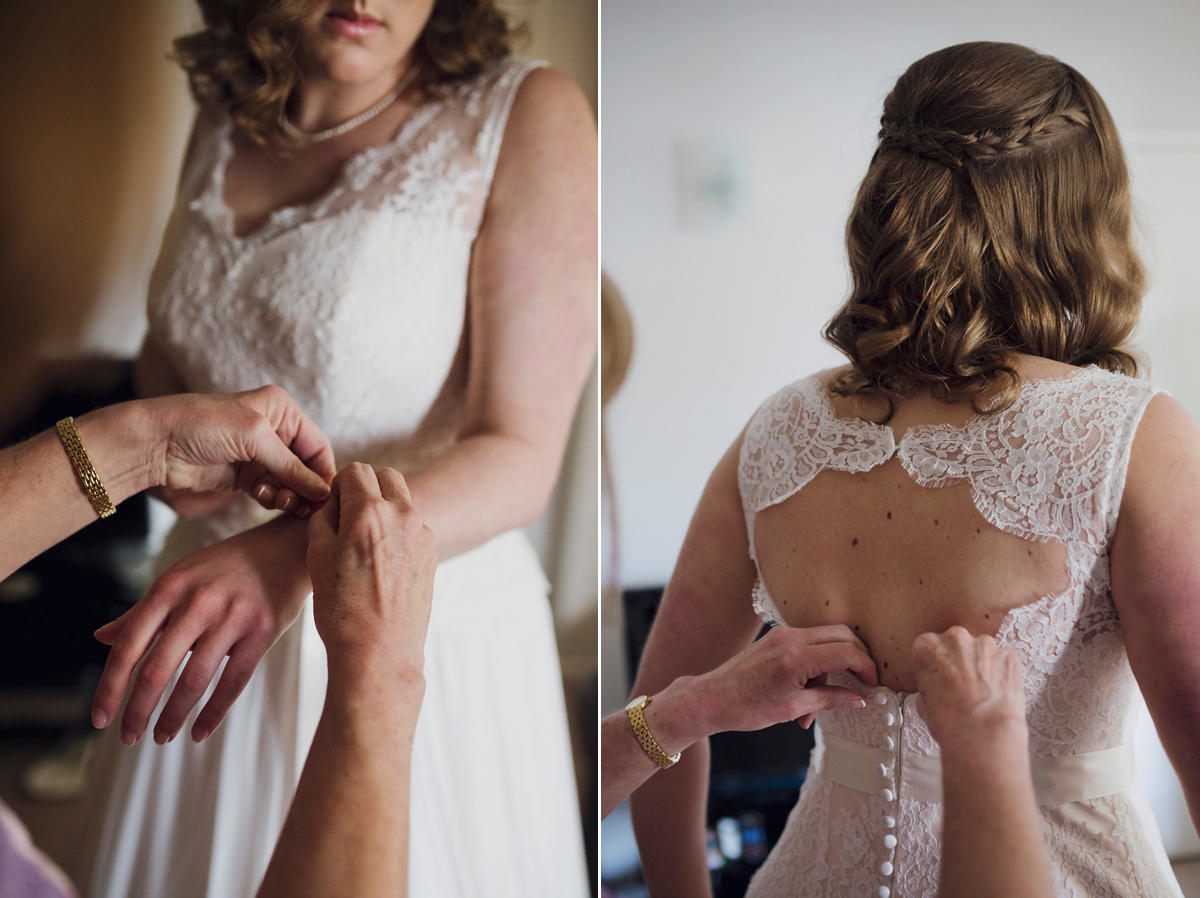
{"x": 735, "y": 136}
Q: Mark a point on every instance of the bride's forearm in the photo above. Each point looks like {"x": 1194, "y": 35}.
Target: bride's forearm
{"x": 480, "y": 487}
{"x": 669, "y": 821}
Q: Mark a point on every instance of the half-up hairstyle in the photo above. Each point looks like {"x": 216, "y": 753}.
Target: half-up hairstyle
{"x": 245, "y": 57}
{"x": 994, "y": 219}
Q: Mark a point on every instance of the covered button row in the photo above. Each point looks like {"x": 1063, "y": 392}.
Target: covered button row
{"x": 888, "y": 794}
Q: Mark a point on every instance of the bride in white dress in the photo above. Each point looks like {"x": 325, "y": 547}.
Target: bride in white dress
{"x": 422, "y": 281}
{"x": 985, "y": 460}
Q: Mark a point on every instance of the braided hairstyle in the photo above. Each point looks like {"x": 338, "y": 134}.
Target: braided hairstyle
{"x": 994, "y": 219}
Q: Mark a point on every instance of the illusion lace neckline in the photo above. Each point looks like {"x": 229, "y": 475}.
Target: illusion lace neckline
{"x": 225, "y": 219}
{"x": 913, "y": 433}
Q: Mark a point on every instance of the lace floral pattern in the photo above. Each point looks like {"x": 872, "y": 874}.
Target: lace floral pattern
{"x": 389, "y": 243}
{"x": 1050, "y": 467}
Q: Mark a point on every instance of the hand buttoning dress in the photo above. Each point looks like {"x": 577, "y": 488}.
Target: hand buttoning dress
{"x": 356, "y": 305}
{"x": 1051, "y": 467}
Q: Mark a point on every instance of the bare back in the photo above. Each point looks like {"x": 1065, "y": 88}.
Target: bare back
{"x": 893, "y": 539}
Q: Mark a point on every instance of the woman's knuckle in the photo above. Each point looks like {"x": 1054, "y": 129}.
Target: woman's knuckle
{"x": 192, "y": 682}
{"x": 152, "y": 675}
{"x": 235, "y": 681}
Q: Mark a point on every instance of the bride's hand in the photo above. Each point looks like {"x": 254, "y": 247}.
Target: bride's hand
{"x": 233, "y": 598}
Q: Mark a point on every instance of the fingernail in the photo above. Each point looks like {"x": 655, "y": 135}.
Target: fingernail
{"x": 200, "y": 735}
{"x": 858, "y": 703}
{"x": 304, "y": 511}
{"x": 129, "y": 737}
{"x": 160, "y": 738}
{"x": 288, "y": 503}
{"x": 99, "y": 720}
{"x": 265, "y": 494}
{"x": 171, "y": 738}
{"x": 808, "y": 724}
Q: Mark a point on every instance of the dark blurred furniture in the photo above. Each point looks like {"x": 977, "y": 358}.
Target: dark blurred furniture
{"x": 752, "y": 773}
{"x": 49, "y": 660}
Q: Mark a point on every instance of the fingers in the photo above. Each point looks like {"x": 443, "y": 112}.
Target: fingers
{"x": 197, "y": 676}
{"x": 324, "y": 523}
{"x": 295, "y": 429}
{"x": 243, "y": 659}
{"x": 153, "y": 676}
{"x": 828, "y": 698}
{"x": 108, "y": 633}
{"x": 357, "y": 482}
{"x": 264, "y": 446}
{"x": 264, "y": 490}
{"x": 141, "y": 625}
{"x": 829, "y": 633}
{"x": 831, "y": 657}
{"x": 393, "y": 487}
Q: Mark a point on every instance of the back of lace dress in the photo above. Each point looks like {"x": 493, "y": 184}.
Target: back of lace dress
{"x": 1050, "y": 467}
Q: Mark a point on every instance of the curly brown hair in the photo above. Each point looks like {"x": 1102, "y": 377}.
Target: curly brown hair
{"x": 994, "y": 219}
{"x": 244, "y": 59}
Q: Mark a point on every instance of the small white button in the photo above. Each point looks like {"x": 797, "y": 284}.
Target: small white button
{"x": 885, "y": 771}
{"x": 880, "y": 698}
{"x": 884, "y": 892}
{"x": 889, "y": 841}
{"x": 889, "y": 822}
{"x": 889, "y": 743}
{"x": 886, "y": 794}
{"x": 886, "y": 868}
{"x": 890, "y": 718}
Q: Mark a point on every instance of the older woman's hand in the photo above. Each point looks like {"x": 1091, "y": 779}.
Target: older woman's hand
{"x": 372, "y": 562}
{"x": 780, "y": 677}
{"x": 259, "y": 442}
{"x": 970, "y": 693}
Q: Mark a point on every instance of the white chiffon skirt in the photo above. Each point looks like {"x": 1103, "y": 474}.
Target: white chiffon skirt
{"x": 494, "y": 809}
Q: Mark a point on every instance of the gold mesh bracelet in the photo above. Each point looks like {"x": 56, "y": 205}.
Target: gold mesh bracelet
{"x": 83, "y": 467}
{"x": 644, "y": 736}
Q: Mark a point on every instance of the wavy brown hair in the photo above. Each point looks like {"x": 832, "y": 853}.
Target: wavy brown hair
{"x": 994, "y": 219}
{"x": 245, "y": 57}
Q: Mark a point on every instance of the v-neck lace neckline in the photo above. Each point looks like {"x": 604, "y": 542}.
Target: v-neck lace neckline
{"x": 223, "y": 217}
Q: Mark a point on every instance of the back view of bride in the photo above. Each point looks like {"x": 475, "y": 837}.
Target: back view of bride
{"x": 988, "y": 460}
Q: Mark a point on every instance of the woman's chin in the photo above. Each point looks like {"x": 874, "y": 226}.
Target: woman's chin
{"x": 350, "y": 65}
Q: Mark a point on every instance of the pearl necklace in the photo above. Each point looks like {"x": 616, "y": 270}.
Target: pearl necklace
{"x": 318, "y": 136}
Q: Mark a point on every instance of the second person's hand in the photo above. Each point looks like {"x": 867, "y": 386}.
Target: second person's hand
{"x": 778, "y": 678}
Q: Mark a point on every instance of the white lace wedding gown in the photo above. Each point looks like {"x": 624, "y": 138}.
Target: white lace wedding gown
{"x": 355, "y": 305}
{"x": 1051, "y": 467}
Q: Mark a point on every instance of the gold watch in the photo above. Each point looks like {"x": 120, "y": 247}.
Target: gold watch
{"x": 634, "y": 709}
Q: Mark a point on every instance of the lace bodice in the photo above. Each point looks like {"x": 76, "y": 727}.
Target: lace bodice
{"x": 1050, "y": 467}
{"x": 354, "y": 303}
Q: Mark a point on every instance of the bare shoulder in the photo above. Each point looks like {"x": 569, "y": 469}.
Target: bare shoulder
{"x": 550, "y": 121}
{"x": 1165, "y": 456}
{"x": 546, "y": 96}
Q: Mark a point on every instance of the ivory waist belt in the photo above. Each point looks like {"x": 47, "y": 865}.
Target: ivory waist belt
{"x": 1056, "y": 780}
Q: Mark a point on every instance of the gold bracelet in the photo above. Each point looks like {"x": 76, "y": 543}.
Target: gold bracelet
{"x": 83, "y": 467}
{"x": 649, "y": 744}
